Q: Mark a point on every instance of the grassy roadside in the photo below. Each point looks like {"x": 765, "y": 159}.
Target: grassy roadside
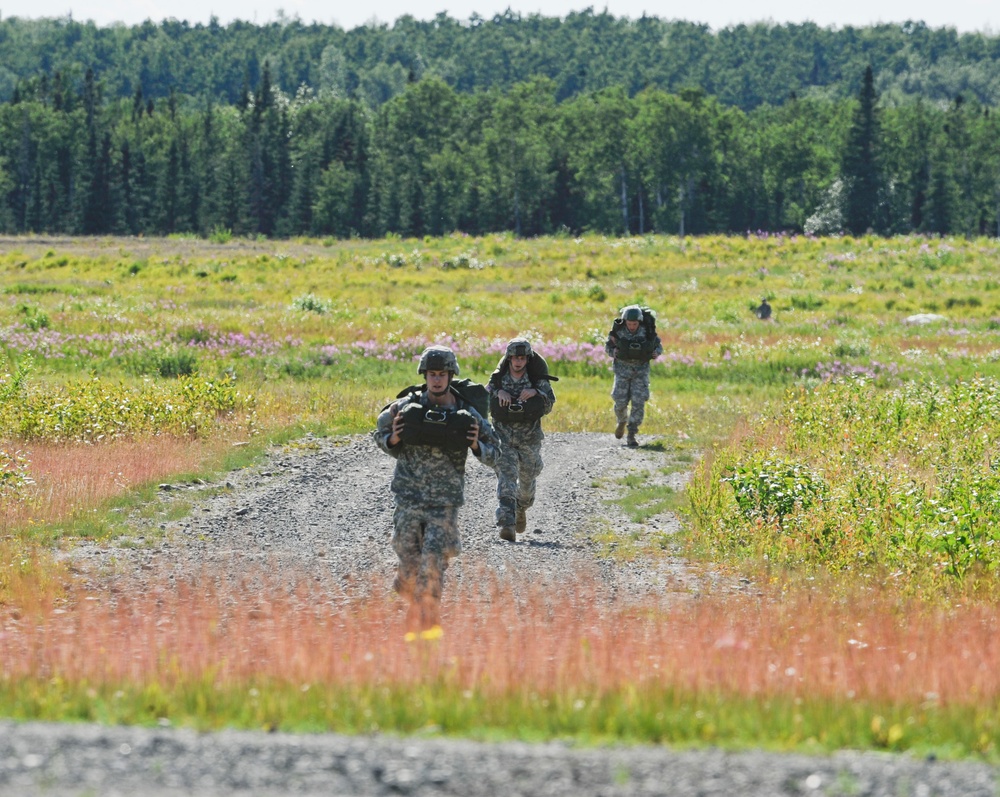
{"x": 627, "y": 716}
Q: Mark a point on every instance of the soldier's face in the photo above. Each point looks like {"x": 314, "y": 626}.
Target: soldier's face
{"x": 631, "y": 326}
{"x": 518, "y": 362}
{"x": 437, "y": 382}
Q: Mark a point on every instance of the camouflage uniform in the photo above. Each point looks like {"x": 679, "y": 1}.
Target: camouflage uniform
{"x": 631, "y": 377}
{"x": 428, "y": 486}
{"x": 520, "y": 459}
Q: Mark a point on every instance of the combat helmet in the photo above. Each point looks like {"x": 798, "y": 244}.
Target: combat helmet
{"x": 632, "y": 313}
{"x": 519, "y": 347}
{"x": 438, "y": 358}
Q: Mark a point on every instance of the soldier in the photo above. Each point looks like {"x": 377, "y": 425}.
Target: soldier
{"x": 632, "y": 344}
{"x": 520, "y": 394}
{"x": 429, "y": 432}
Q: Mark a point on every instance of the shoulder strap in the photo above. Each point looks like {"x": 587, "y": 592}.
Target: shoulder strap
{"x": 502, "y": 367}
{"x": 412, "y": 390}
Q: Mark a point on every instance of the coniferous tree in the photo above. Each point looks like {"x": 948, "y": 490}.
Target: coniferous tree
{"x": 97, "y": 216}
{"x": 861, "y": 169}
{"x": 21, "y": 194}
{"x": 921, "y": 171}
{"x": 143, "y": 193}
{"x": 36, "y": 213}
{"x": 208, "y": 156}
{"x": 125, "y": 220}
{"x": 168, "y": 194}
{"x": 137, "y": 106}
{"x": 943, "y": 199}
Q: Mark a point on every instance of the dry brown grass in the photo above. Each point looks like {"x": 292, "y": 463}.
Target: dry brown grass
{"x": 514, "y": 636}
{"x": 70, "y": 478}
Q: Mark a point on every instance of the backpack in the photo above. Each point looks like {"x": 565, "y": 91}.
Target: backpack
{"x": 537, "y": 369}
{"x": 648, "y": 321}
{"x": 637, "y": 351}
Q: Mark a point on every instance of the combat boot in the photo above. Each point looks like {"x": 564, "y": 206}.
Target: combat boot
{"x": 508, "y": 533}
{"x": 620, "y": 431}
{"x": 521, "y": 523}
{"x": 631, "y": 442}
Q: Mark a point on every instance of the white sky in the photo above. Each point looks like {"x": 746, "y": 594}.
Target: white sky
{"x": 964, "y": 15}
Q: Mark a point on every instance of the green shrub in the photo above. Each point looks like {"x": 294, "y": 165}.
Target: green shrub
{"x": 312, "y": 304}
{"x": 911, "y": 483}
{"x": 177, "y": 363}
{"x": 94, "y": 410}
{"x": 14, "y": 477}
{"x": 770, "y": 489}
{"x": 34, "y": 318}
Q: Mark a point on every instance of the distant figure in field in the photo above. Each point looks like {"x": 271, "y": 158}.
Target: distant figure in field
{"x": 632, "y": 344}
{"x": 764, "y": 311}
{"x": 520, "y": 394}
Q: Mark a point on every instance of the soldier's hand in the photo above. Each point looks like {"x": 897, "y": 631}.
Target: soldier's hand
{"x": 504, "y": 398}
{"x": 397, "y": 429}
{"x": 527, "y": 393}
{"x": 473, "y": 436}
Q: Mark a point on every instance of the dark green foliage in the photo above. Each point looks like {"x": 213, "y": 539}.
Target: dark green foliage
{"x": 527, "y": 124}
{"x": 745, "y": 66}
{"x": 861, "y": 171}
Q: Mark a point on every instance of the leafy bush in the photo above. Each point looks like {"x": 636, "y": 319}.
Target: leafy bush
{"x": 34, "y": 318}
{"x": 14, "y": 476}
{"x": 196, "y": 334}
{"x": 94, "y": 410}
{"x": 774, "y": 488}
{"x": 312, "y": 304}
{"x": 157, "y": 362}
{"x": 911, "y": 482}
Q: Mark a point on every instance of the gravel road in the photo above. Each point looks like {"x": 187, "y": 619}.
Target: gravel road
{"x": 323, "y": 507}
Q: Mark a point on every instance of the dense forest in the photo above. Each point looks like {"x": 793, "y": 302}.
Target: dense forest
{"x": 528, "y": 124}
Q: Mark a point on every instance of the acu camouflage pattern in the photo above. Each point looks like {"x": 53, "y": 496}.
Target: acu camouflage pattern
{"x": 428, "y": 475}
{"x": 428, "y": 485}
{"x": 631, "y": 378}
{"x": 520, "y": 460}
{"x": 424, "y": 539}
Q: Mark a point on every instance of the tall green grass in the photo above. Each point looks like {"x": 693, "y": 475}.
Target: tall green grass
{"x": 895, "y": 483}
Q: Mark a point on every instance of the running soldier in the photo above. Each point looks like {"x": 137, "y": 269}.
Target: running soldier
{"x": 429, "y": 433}
{"x": 632, "y": 344}
{"x": 520, "y": 394}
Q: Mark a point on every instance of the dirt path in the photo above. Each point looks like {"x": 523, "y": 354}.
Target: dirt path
{"x": 323, "y": 508}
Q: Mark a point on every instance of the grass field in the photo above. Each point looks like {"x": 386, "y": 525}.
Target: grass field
{"x": 844, "y": 457}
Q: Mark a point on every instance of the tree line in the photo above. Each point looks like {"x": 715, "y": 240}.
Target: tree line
{"x": 744, "y": 66}
{"x": 433, "y": 160}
